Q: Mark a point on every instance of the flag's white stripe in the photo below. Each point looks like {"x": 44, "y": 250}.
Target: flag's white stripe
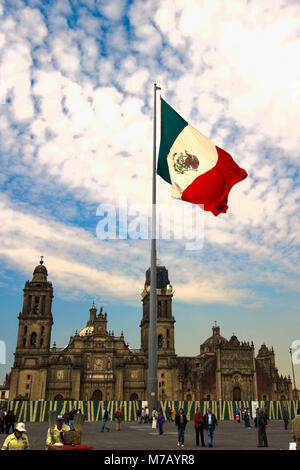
{"x": 193, "y": 142}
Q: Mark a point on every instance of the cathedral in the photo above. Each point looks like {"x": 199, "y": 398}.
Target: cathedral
{"x": 97, "y": 365}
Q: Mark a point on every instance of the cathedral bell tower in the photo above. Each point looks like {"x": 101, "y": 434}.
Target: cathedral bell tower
{"x": 29, "y": 372}
{"x": 165, "y": 320}
{"x": 35, "y": 320}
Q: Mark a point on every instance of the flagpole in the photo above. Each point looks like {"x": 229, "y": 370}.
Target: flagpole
{"x": 152, "y": 346}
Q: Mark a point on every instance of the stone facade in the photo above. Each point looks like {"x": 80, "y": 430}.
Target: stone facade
{"x": 4, "y": 389}
{"x": 98, "y": 365}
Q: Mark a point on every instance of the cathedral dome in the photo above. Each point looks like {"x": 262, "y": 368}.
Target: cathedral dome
{"x": 40, "y": 268}
{"x": 213, "y": 341}
{"x": 88, "y": 330}
{"x": 40, "y": 272}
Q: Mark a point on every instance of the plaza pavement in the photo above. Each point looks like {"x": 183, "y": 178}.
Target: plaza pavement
{"x": 229, "y": 435}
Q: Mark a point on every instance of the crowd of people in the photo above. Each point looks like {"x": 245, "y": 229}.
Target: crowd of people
{"x": 208, "y": 422}
{"x": 18, "y": 439}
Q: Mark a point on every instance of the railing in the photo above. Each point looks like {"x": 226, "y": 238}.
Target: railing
{"x": 38, "y": 411}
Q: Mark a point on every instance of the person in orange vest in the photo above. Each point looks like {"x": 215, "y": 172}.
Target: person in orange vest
{"x": 173, "y": 414}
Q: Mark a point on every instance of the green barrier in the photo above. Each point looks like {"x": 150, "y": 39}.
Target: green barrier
{"x": 38, "y": 411}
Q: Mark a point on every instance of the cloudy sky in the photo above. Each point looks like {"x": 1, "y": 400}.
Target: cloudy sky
{"x": 76, "y": 93}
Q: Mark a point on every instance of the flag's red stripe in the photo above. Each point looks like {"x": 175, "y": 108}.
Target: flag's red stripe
{"x": 212, "y": 188}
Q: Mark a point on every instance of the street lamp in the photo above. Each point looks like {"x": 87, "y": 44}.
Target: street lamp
{"x": 295, "y": 392}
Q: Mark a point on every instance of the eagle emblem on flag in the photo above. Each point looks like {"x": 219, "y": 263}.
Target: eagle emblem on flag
{"x": 185, "y": 162}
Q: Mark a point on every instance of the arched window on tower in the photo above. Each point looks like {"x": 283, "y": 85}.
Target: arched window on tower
{"x": 33, "y": 339}
{"x": 160, "y": 340}
{"x": 36, "y": 304}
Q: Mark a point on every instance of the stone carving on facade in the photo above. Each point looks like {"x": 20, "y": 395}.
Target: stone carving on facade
{"x": 99, "y": 364}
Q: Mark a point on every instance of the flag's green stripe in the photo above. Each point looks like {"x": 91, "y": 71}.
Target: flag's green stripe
{"x": 171, "y": 126}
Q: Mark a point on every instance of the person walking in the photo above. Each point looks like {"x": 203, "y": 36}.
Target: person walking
{"x": 147, "y": 415}
{"x": 2, "y": 419}
{"x": 18, "y": 440}
{"x": 143, "y": 416}
{"x": 199, "y": 426}
{"x": 262, "y": 423}
{"x": 296, "y": 429}
{"x": 256, "y": 418}
{"x": 71, "y": 418}
{"x": 247, "y": 418}
{"x": 10, "y": 421}
{"x": 210, "y": 422}
{"x": 105, "y": 418}
{"x": 173, "y": 414}
{"x": 285, "y": 417}
{"x": 238, "y": 414}
{"x": 160, "y": 420}
{"x": 181, "y": 422}
{"x": 118, "y": 415}
{"x": 154, "y": 418}
{"x": 139, "y": 415}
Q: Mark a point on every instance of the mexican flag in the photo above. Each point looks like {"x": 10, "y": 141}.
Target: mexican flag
{"x": 199, "y": 171}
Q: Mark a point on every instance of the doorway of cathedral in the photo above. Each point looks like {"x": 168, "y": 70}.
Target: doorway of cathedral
{"x": 134, "y": 397}
{"x": 236, "y": 394}
{"x": 58, "y": 397}
{"x": 97, "y": 395}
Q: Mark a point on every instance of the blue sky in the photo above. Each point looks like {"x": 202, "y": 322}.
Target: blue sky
{"x": 76, "y": 132}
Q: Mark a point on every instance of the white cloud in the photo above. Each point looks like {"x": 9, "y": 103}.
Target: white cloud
{"x": 114, "y": 9}
{"x": 136, "y": 82}
{"x": 210, "y": 291}
{"x": 31, "y": 25}
{"x": 77, "y": 261}
{"x": 231, "y": 71}
{"x": 15, "y": 76}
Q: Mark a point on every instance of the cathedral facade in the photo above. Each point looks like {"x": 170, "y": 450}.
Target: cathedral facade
{"x": 97, "y": 365}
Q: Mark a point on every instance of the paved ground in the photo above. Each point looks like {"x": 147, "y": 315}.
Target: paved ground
{"x": 133, "y": 436}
